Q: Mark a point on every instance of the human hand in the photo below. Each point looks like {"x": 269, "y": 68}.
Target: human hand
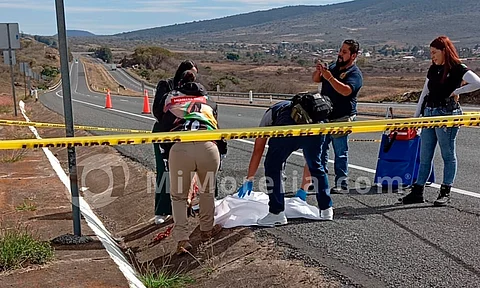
{"x": 326, "y": 74}
{"x": 246, "y": 187}
{"x": 319, "y": 65}
{"x": 456, "y": 97}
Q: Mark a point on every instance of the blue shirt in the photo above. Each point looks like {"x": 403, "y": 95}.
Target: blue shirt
{"x": 278, "y": 115}
{"x": 343, "y": 105}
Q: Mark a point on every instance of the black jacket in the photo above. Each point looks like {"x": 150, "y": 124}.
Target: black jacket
{"x": 163, "y": 87}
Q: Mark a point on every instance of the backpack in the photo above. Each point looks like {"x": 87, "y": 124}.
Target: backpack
{"x": 189, "y": 108}
{"x": 308, "y": 108}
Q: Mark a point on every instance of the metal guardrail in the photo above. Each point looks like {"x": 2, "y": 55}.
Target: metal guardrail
{"x": 256, "y": 95}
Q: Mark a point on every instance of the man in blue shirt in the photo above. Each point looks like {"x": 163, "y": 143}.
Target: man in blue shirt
{"x": 313, "y": 109}
{"x": 341, "y": 82}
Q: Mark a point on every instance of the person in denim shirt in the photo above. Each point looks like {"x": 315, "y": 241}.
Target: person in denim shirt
{"x": 439, "y": 97}
{"x": 341, "y": 82}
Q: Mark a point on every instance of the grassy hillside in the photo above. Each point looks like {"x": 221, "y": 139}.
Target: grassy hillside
{"x": 38, "y": 56}
{"x": 370, "y": 21}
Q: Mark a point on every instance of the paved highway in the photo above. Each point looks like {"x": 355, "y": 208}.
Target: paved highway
{"x": 371, "y": 241}
{"x": 124, "y": 78}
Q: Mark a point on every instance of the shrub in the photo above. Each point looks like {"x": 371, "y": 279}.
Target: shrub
{"x": 18, "y": 248}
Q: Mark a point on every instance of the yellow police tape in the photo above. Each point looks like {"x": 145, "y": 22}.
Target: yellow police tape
{"x": 364, "y": 140}
{"x": 107, "y": 129}
{"x": 79, "y": 127}
{"x": 254, "y": 132}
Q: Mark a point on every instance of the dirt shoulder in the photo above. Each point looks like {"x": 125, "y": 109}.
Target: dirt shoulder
{"x": 32, "y": 197}
{"x": 99, "y": 80}
{"x": 238, "y": 257}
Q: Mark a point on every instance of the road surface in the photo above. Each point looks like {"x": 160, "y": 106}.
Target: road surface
{"x": 371, "y": 241}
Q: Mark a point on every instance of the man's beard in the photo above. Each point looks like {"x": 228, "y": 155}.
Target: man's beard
{"x": 341, "y": 63}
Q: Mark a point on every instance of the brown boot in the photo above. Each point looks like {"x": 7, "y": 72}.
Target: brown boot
{"x": 207, "y": 235}
{"x": 183, "y": 246}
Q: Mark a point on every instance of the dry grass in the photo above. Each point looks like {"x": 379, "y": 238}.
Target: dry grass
{"x": 293, "y": 79}
{"x": 290, "y": 78}
{"x": 99, "y": 80}
{"x": 378, "y": 88}
{"x": 12, "y": 133}
{"x": 132, "y": 73}
{"x": 6, "y": 104}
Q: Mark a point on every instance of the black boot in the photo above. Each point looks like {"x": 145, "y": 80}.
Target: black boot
{"x": 414, "y": 197}
{"x": 443, "y": 196}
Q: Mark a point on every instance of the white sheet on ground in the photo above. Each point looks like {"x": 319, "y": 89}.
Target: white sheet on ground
{"x": 233, "y": 211}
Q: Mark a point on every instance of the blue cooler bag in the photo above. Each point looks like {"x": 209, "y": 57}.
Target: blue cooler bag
{"x": 398, "y": 161}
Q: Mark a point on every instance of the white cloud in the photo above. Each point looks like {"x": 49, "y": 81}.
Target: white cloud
{"x": 78, "y": 9}
{"x": 148, "y": 7}
{"x": 27, "y": 5}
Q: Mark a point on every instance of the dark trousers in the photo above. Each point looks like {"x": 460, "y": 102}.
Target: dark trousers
{"x": 278, "y": 152}
{"x": 163, "y": 204}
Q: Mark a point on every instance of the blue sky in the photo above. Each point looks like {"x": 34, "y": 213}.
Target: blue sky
{"x": 115, "y": 16}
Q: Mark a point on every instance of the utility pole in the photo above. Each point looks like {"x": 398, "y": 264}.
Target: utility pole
{"x": 11, "y": 69}
{"x": 67, "y": 108}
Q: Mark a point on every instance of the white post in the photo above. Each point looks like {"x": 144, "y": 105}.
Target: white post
{"x": 251, "y": 96}
{"x": 218, "y": 88}
{"x": 271, "y": 100}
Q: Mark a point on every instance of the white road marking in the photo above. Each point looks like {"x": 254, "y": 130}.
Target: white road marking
{"x": 365, "y": 169}
{"x": 101, "y": 107}
{"x": 361, "y": 168}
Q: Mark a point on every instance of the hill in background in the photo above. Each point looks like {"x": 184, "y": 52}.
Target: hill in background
{"x": 372, "y": 22}
{"x": 77, "y": 33}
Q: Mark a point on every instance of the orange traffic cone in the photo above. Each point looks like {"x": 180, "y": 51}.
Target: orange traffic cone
{"x": 108, "y": 102}
{"x": 146, "y": 104}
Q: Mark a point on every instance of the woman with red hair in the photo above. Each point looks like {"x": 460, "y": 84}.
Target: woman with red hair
{"x": 439, "y": 97}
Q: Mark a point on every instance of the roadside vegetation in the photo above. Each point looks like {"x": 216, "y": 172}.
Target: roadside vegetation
{"x": 164, "y": 279}
{"x": 27, "y": 205}
{"x": 41, "y": 58}
{"x": 19, "y": 248}
{"x": 387, "y": 76}
{"x": 11, "y": 132}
